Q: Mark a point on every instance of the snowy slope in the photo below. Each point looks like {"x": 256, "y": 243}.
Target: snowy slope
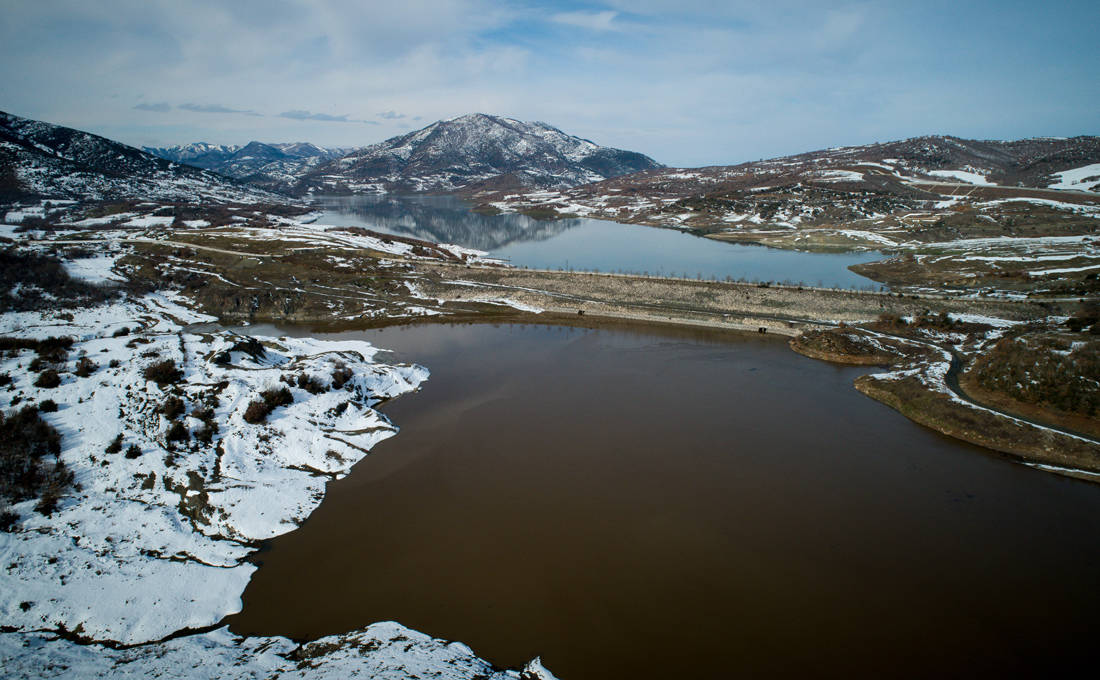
{"x": 39, "y": 159}
{"x": 1085, "y": 178}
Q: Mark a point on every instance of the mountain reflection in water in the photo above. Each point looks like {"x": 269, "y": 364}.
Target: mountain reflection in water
{"x": 584, "y": 244}
{"x": 443, "y": 219}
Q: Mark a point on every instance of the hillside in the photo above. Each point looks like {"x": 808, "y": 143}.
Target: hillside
{"x": 475, "y": 151}
{"x": 43, "y": 161}
{"x": 907, "y": 186}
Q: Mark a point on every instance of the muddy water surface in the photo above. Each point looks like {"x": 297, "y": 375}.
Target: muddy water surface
{"x": 680, "y": 504}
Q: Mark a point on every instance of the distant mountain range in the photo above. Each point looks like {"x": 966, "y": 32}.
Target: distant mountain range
{"x": 468, "y": 153}
{"x": 273, "y": 166}
{"x": 488, "y": 157}
{"x": 41, "y": 160}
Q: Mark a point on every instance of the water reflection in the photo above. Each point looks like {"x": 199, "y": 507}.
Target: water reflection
{"x": 443, "y": 219}
{"x": 590, "y": 245}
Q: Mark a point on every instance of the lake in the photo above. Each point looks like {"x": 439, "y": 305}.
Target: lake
{"x": 681, "y": 503}
{"x": 587, "y": 244}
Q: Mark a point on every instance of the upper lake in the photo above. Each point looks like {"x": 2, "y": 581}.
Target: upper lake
{"x": 587, "y": 244}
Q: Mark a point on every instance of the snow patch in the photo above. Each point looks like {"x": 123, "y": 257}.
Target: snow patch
{"x": 1085, "y": 178}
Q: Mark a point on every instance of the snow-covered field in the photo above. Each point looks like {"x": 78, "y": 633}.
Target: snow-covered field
{"x": 1085, "y": 178}
{"x": 969, "y": 177}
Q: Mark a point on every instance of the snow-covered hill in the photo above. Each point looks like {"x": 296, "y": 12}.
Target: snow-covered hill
{"x": 272, "y": 166}
{"x": 472, "y": 152}
{"x": 41, "y": 160}
{"x": 892, "y": 185}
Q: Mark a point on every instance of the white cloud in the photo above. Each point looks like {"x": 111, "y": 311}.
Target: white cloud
{"x": 593, "y": 21}
{"x": 840, "y": 26}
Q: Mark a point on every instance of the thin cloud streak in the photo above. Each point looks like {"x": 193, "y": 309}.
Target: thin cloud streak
{"x": 214, "y": 108}
{"x": 299, "y": 114}
{"x": 160, "y": 107}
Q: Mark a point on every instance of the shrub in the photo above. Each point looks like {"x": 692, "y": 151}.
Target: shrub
{"x": 177, "y": 433}
{"x": 115, "y": 446}
{"x": 209, "y": 425}
{"x": 310, "y": 384}
{"x": 26, "y": 440}
{"x": 163, "y": 372}
{"x": 113, "y": 363}
{"x": 205, "y": 433}
{"x": 341, "y": 375}
{"x": 133, "y": 451}
{"x": 47, "y": 406}
{"x": 50, "y": 346}
{"x": 8, "y": 518}
{"x": 172, "y": 407}
{"x": 48, "y": 378}
{"x": 85, "y": 367}
{"x": 256, "y": 412}
{"x": 121, "y": 332}
{"x": 51, "y": 496}
{"x": 5, "y": 379}
{"x": 277, "y": 396}
{"x": 54, "y": 350}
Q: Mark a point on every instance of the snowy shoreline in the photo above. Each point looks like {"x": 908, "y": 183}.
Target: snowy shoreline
{"x": 143, "y": 548}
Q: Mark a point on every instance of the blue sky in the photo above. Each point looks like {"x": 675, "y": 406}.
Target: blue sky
{"x": 685, "y": 81}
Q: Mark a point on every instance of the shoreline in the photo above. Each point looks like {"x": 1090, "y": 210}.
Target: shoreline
{"x": 1037, "y": 447}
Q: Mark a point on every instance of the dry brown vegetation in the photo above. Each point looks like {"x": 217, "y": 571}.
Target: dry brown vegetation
{"x": 938, "y": 411}
{"x": 30, "y": 463}
{"x": 32, "y": 281}
{"x": 163, "y": 372}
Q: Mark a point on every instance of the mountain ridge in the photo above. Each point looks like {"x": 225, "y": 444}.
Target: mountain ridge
{"x": 275, "y": 166}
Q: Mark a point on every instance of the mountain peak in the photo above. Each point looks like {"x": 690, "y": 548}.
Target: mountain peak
{"x": 476, "y": 150}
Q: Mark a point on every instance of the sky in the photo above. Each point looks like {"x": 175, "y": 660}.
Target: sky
{"x": 688, "y": 82}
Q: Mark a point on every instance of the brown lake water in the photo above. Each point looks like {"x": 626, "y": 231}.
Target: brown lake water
{"x": 684, "y": 504}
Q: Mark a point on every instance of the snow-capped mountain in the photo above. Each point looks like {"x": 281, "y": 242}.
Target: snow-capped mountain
{"x": 471, "y": 152}
{"x": 41, "y": 160}
{"x": 273, "y": 166}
